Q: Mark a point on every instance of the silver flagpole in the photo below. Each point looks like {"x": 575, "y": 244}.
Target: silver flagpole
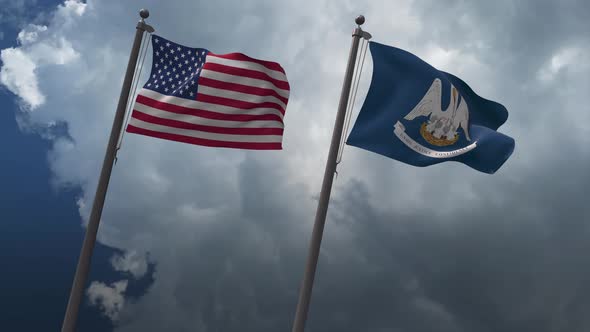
{"x": 322, "y": 210}
{"x": 77, "y": 291}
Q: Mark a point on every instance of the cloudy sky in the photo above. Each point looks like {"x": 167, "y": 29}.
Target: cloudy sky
{"x": 203, "y": 239}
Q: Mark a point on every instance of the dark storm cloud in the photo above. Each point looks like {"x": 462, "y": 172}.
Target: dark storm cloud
{"x": 516, "y": 39}
{"x": 508, "y": 265}
{"x": 517, "y": 34}
{"x": 229, "y": 232}
{"x": 239, "y": 273}
{"x": 509, "y": 259}
{"x": 513, "y": 265}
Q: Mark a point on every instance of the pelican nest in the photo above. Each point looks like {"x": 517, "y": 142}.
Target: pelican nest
{"x": 436, "y": 141}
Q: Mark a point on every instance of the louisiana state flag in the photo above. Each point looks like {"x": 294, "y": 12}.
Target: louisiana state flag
{"x": 421, "y": 116}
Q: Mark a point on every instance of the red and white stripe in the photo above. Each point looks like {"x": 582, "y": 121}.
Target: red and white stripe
{"x": 240, "y": 103}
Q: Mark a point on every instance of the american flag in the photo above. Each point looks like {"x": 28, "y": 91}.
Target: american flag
{"x": 220, "y": 100}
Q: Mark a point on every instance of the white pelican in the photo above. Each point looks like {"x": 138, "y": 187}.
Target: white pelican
{"x": 442, "y": 124}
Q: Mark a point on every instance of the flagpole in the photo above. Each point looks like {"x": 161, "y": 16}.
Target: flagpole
{"x": 322, "y": 210}
{"x": 82, "y": 270}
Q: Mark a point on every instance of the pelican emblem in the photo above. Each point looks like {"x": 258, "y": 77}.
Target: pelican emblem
{"x": 441, "y": 127}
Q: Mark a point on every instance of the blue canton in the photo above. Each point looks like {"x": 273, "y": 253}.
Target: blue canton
{"x": 175, "y": 68}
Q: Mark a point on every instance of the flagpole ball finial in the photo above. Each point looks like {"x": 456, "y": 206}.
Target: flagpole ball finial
{"x": 360, "y": 20}
{"x": 144, "y": 13}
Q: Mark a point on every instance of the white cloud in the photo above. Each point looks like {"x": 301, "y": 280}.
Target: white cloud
{"x": 18, "y": 75}
{"x": 109, "y": 299}
{"x": 30, "y": 34}
{"x": 39, "y": 49}
{"x": 21, "y": 64}
{"x": 131, "y": 262}
{"x": 71, "y": 8}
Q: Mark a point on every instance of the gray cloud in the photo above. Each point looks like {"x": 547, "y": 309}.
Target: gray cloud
{"x": 405, "y": 249}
